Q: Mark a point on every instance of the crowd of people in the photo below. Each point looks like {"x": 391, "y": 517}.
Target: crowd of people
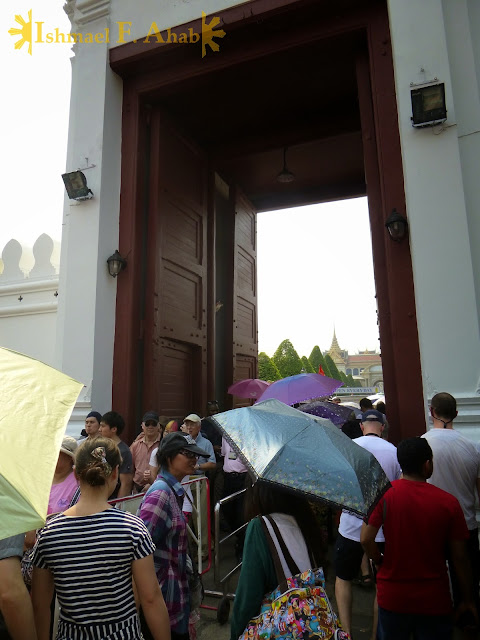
{"x": 118, "y": 575}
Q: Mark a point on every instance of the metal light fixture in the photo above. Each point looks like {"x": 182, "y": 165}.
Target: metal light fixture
{"x": 285, "y": 175}
{"x": 397, "y": 226}
{"x": 76, "y": 186}
{"x": 116, "y": 264}
{"x": 428, "y": 104}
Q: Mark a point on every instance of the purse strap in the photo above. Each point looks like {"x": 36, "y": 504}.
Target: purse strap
{"x": 287, "y": 557}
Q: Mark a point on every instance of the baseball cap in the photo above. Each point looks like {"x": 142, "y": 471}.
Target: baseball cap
{"x": 69, "y": 446}
{"x": 192, "y": 417}
{"x": 173, "y": 443}
{"x": 372, "y": 415}
{"x": 150, "y": 415}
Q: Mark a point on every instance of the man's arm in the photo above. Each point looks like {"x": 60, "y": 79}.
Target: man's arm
{"x": 367, "y": 540}
{"x": 42, "y": 594}
{"x": 151, "y": 598}
{"x": 206, "y": 466}
{"x": 211, "y": 462}
{"x": 126, "y": 484}
{"x": 459, "y": 556}
{"x": 15, "y": 603}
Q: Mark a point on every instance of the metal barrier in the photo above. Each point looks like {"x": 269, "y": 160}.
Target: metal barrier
{"x": 197, "y": 513}
{"x": 223, "y": 608}
{"x": 132, "y": 503}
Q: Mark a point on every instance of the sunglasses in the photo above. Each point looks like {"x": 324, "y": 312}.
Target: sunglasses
{"x": 188, "y": 454}
{"x": 151, "y": 423}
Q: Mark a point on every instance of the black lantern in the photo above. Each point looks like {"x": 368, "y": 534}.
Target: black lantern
{"x": 428, "y": 104}
{"x": 116, "y": 264}
{"x": 76, "y": 186}
{"x": 397, "y": 226}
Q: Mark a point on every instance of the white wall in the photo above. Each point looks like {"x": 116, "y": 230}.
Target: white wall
{"x": 28, "y": 299}
{"x": 90, "y": 229}
{"x": 440, "y": 195}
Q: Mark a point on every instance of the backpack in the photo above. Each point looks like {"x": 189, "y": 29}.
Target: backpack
{"x": 299, "y": 608}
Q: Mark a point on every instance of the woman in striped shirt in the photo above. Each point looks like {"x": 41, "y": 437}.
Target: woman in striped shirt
{"x": 89, "y": 554}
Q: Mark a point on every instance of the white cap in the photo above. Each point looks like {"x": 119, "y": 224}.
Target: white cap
{"x": 192, "y": 417}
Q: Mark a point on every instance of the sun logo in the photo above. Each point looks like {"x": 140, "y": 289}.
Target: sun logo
{"x": 25, "y": 32}
{"x": 209, "y": 33}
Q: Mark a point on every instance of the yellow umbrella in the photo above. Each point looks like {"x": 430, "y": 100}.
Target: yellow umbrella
{"x": 35, "y": 404}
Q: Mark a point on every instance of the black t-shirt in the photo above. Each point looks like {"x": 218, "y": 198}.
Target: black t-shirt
{"x": 125, "y": 467}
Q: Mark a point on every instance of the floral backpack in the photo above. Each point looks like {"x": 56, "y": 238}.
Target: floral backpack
{"x": 299, "y": 608}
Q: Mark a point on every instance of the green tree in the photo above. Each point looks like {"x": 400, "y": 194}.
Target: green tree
{"x": 344, "y": 379}
{"x": 317, "y": 360}
{"x": 287, "y": 359}
{"x": 332, "y": 367}
{"x": 307, "y": 365}
{"x": 267, "y": 369}
{"x": 350, "y": 380}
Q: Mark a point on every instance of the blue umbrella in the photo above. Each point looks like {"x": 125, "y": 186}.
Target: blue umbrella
{"x": 303, "y": 453}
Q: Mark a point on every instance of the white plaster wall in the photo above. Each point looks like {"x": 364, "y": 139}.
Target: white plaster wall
{"x": 85, "y": 338}
{"x": 34, "y": 337}
{"x": 437, "y": 195}
{"x": 462, "y": 26}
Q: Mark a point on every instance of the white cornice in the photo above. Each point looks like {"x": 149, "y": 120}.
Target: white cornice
{"x": 82, "y": 12}
{"x": 29, "y": 285}
{"x": 28, "y": 309}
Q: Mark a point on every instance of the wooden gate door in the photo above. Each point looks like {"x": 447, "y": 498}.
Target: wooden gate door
{"x": 244, "y": 337}
{"x": 175, "y": 357}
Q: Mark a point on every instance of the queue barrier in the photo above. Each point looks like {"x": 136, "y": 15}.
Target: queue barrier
{"x": 195, "y": 483}
{"x": 223, "y": 609}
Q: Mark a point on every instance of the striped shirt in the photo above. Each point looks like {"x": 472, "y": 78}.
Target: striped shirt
{"x": 91, "y": 558}
{"x": 161, "y": 511}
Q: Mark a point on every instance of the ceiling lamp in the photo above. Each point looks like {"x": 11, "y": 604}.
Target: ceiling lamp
{"x": 285, "y": 175}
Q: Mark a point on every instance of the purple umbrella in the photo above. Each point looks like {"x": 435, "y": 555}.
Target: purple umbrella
{"x": 248, "y": 388}
{"x": 301, "y": 387}
{"x": 336, "y": 413}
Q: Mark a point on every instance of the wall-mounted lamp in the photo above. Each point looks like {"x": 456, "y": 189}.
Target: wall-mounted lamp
{"x": 76, "y": 186}
{"x": 428, "y": 104}
{"x": 397, "y": 226}
{"x": 116, "y": 264}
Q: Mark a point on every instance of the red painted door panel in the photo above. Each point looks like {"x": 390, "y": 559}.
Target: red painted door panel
{"x": 244, "y": 330}
{"x": 175, "y": 326}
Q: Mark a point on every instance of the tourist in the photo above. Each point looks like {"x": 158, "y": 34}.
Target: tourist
{"x": 90, "y": 554}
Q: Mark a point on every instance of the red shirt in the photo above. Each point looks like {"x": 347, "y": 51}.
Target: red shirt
{"x": 418, "y": 521}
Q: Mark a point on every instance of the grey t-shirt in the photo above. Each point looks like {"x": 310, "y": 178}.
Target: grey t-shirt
{"x": 12, "y": 547}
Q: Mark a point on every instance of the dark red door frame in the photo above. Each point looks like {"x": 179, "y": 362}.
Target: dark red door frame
{"x": 383, "y": 164}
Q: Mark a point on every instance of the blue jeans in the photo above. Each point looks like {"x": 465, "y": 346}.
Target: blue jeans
{"x": 399, "y": 626}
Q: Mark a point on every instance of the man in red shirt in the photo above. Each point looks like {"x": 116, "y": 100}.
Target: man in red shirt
{"x": 420, "y": 523}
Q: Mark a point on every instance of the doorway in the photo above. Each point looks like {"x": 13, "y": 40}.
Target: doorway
{"x": 304, "y": 77}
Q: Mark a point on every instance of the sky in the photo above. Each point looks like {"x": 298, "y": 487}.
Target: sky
{"x": 315, "y": 274}
{"x": 313, "y": 262}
